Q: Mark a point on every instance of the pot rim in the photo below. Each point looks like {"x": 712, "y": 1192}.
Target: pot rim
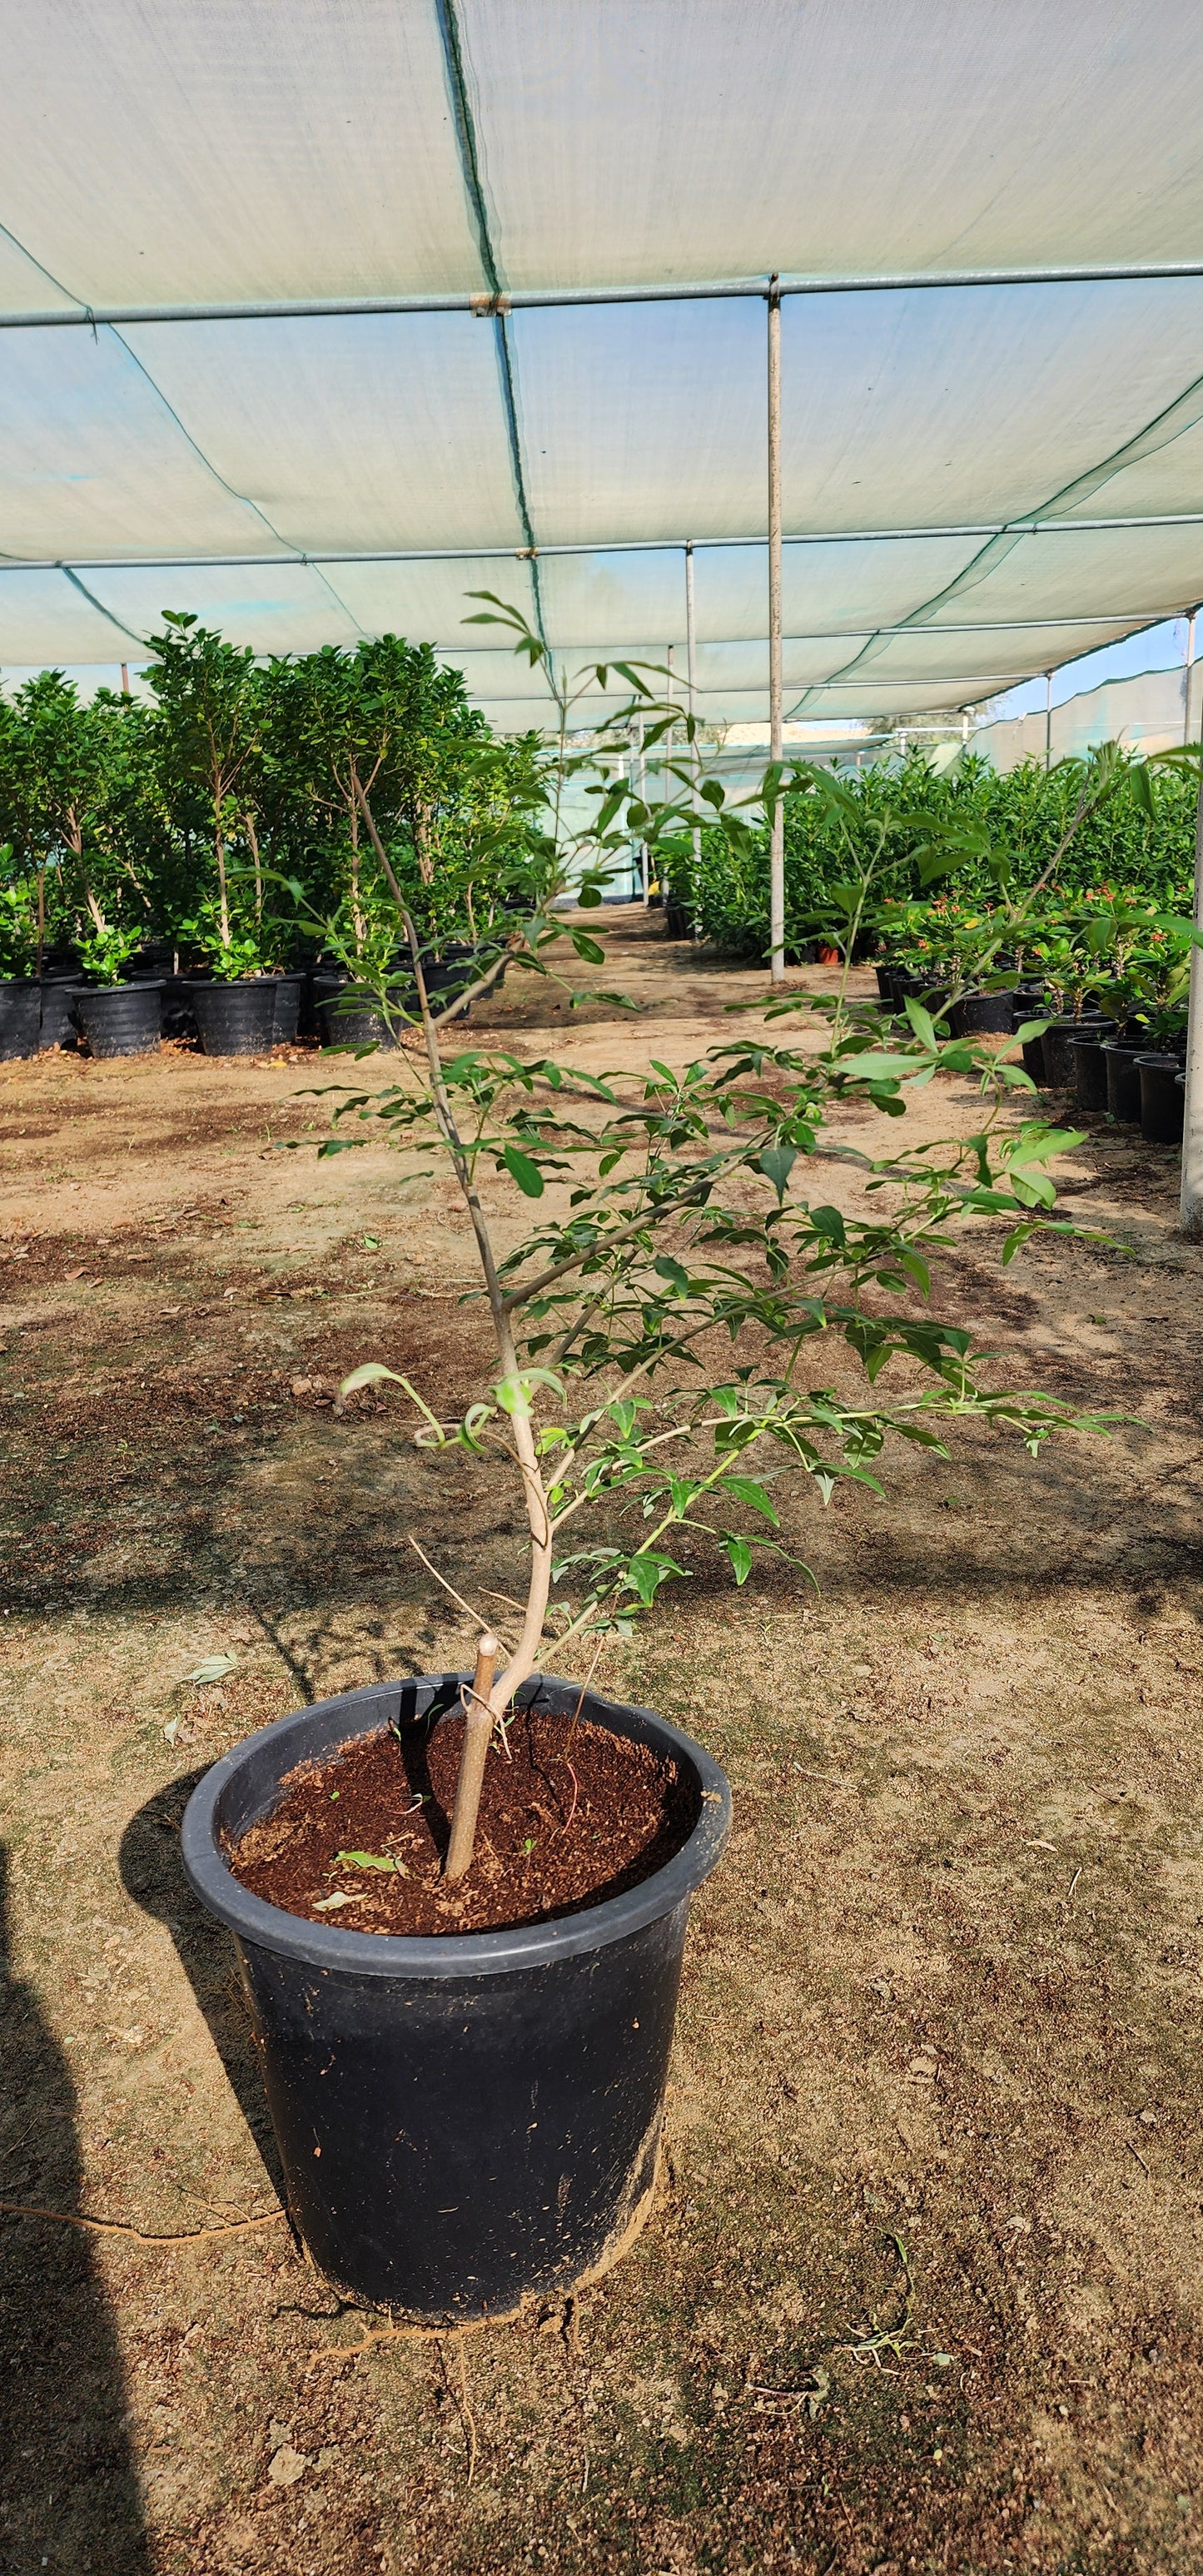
{"x": 327, "y": 1947}
{"x": 97, "y": 992}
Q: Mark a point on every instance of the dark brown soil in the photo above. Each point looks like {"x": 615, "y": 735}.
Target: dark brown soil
{"x": 576, "y": 1814}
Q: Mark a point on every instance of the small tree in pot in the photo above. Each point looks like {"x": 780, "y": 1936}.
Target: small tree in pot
{"x": 467, "y": 2114}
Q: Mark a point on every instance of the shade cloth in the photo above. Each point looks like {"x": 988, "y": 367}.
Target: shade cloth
{"x": 981, "y": 478}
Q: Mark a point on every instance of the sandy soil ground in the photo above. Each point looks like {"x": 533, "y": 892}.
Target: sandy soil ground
{"x": 923, "y": 2288}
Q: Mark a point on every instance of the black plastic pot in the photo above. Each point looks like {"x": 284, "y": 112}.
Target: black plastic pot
{"x": 981, "y": 1015}
{"x": 58, "y": 1026}
{"x": 465, "y": 2120}
{"x": 1161, "y": 1098}
{"x": 348, "y": 1014}
{"x": 1090, "y": 1072}
{"x": 1058, "y": 1045}
{"x": 287, "y": 1013}
{"x": 236, "y": 1019}
{"x": 1123, "y": 1082}
{"x": 678, "y": 923}
{"x": 118, "y": 1019}
{"x": 20, "y": 1016}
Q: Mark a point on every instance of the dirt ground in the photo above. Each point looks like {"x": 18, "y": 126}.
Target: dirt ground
{"x": 923, "y": 2287}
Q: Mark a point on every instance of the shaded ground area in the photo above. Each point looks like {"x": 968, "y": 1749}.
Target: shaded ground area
{"x": 923, "y": 2288}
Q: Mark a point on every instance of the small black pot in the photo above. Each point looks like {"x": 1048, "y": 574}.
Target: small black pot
{"x": 20, "y": 1016}
{"x": 1058, "y": 1044}
{"x": 1161, "y": 1098}
{"x": 1123, "y": 1082}
{"x": 1090, "y": 1072}
{"x": 887, "y": 977}
{"x": 236, "y": 1019}
{"x": 678, "y": 923}
{"x": 287, "y": 1013}
{"x": 981, "y": 1015}
{"x": 469, "y": 2119}
{"x": 348, "y": 1014}
{"x": 118, "y": 1019}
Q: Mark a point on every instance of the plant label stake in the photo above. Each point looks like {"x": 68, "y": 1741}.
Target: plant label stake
{"x": 478, "y": 1735}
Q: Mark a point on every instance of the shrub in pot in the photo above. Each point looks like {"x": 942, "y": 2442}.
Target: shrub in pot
{"x": 417, "y": 1986}
{"x": 117, "y": 1017}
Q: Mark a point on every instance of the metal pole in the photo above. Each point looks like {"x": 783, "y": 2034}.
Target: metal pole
{"x": 125, "y": 679}
{"x": 640, "y": 769}
{"x": 776, "y": 690}
{"x": 691, "y": 650}
{"x": 1048, "y": 720}
{"x": 1191, "y": 1203}
{"x": 1188, "y": 674}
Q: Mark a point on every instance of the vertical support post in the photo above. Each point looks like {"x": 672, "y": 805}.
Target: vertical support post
{"x": 964, "y": 727}
{"x": 1048, "y": 720}
{"x": 1191, "y": 1202}
{"x": 125, "y": 680}
{"x": 1188, "y": 675}
{"x": 776, "y": 693}
{"x": 695, "y": 757}
{"x": 639, "y": 766}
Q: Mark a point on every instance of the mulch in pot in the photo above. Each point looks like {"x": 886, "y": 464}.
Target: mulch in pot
{"x": 576, "y": 1815}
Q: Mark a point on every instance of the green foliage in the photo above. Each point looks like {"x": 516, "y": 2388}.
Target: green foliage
{"x": 224, "y": 813}
{"x": 673, "y": 1216}
{"x": 969, "y": 828}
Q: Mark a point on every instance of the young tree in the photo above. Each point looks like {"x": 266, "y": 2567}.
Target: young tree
{"x": 681, "y": 1230}
{"x": 210, "y": 707}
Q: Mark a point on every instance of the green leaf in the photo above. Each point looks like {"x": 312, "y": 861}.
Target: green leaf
{"x": 369, "y": 1860}
{"x": 521, "y": 1169}
{"x": 747, "y": 1490}
{"x": 777, "y": 1162}
{"x": 741, "y": 1557}
{"x": 590, "y": 949}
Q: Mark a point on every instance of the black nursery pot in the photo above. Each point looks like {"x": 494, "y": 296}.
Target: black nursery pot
{"x": 1161, "y": 1098}
{"x": 1090, "y": 1072}
{"x": 59, "y": 1012}
{"x": 236, "y": 1019}
{"x": 118, "y": 1019}
{"x": 287, "y": 1013}
{"x": 20, "y": 1014}
{"x": 471, "y": 2119}
{"x": 1123, "y": 1082}
{"x": 981, "y": 1015}
{"x": 349, "y": 1015}
{"x": 1058, "y": 1043}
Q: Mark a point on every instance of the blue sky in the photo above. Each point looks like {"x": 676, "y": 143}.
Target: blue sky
{"x": 1156, "y": 648}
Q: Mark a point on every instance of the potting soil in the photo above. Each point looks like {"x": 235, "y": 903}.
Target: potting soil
{"x": 569, "y": 1814}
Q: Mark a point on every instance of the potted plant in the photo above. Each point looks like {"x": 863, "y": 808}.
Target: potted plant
{"x": 460, "y": 1902}
{"x": 117, "y": 1017}
{"x": 20, "y": 989}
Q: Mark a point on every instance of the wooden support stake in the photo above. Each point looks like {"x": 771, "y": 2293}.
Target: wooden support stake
{"x": 478, "y": 1735}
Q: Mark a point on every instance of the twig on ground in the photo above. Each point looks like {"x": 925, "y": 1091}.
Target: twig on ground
{"x": 119, "y": 2227}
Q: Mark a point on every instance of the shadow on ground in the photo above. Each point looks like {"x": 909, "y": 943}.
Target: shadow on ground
{"x": 69, "y": 2492}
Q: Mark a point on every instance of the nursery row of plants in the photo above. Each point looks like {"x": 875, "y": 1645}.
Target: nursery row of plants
{"x": 215, "y": 824}
{"x": 886, "y": 820}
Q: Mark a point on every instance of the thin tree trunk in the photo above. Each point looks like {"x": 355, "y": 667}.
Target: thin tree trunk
{"x": 252, "y": 837}
{"x": 522, "y": 1662}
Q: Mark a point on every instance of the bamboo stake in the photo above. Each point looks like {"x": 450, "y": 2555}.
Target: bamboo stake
{"x": 478, "y": 1735}
{"x": 776, "y": 685}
